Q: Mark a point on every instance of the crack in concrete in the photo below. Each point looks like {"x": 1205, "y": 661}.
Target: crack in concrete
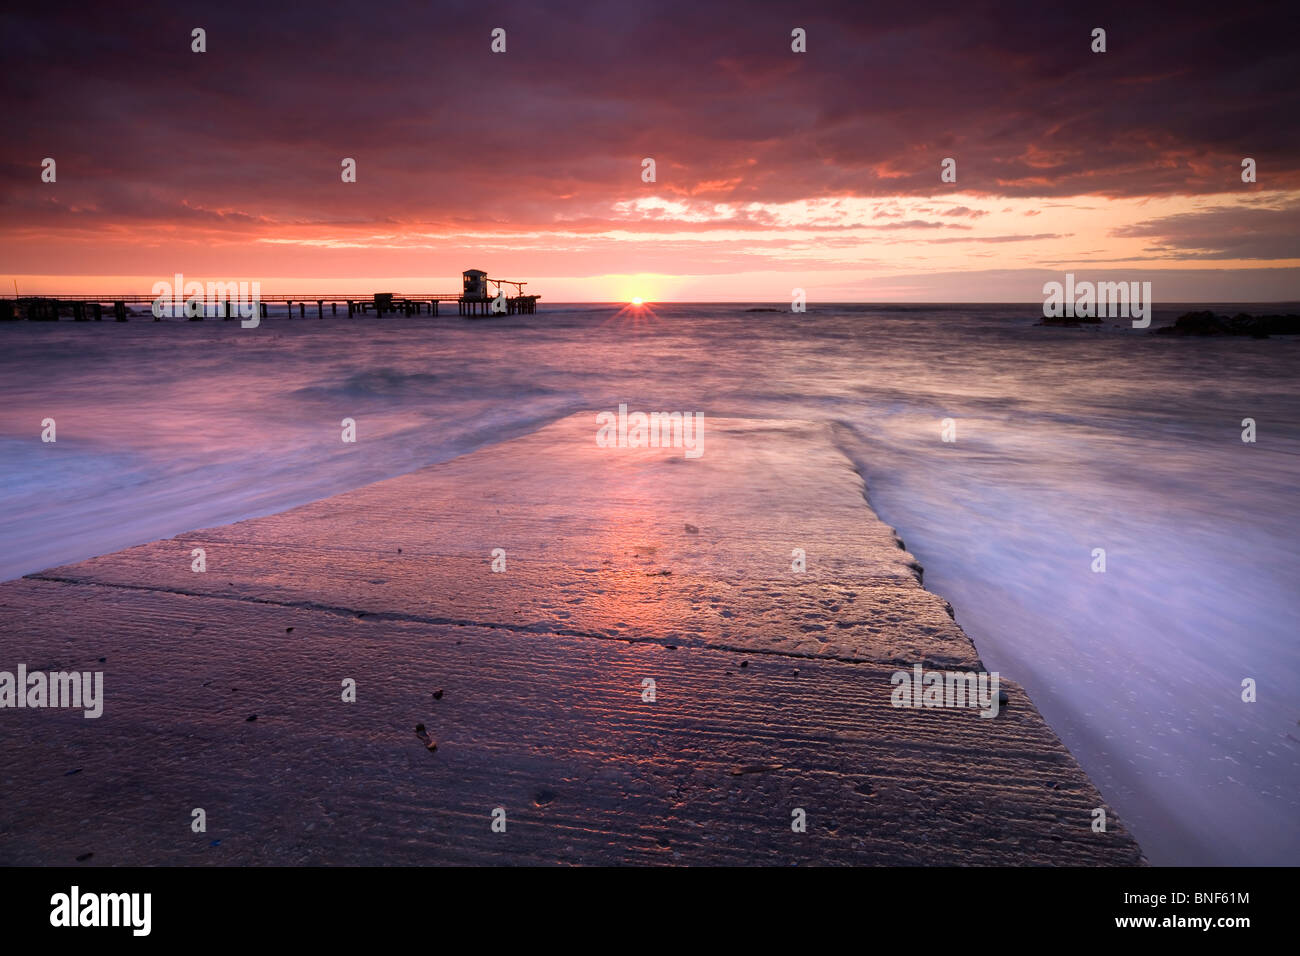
{"x": 495, "y": 626}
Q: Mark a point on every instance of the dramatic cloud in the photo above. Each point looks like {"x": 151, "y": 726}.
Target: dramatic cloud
{"x": 230, "y": 159}
{"x": 1233, "y": 232}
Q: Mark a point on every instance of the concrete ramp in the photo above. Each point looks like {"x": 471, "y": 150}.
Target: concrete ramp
{"x": 771, "y": 686}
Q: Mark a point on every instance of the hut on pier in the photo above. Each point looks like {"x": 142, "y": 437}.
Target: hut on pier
{"x": 475, "y": 284}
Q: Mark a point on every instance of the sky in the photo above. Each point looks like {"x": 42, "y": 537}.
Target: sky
{"x": 774, "y": 169}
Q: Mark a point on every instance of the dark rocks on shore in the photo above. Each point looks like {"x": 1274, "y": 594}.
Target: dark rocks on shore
{"x": 1255, "y": 326}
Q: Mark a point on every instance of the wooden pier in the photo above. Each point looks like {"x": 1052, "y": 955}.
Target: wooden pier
{"x": 94, "y": 308}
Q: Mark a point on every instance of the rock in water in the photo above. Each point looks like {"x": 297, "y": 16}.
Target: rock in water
{"x": 1070, "y": 321}
{"x": 1206, "y": 322}
{"x": 430, "y": 744}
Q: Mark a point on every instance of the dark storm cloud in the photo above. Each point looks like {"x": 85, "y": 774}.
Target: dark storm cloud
{"x": 252, "y": 132}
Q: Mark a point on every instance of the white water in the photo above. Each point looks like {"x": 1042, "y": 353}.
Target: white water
{"x": 1067, "y": 440}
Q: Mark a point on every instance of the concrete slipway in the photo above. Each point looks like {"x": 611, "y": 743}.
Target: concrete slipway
{"x": 772, "y": 687}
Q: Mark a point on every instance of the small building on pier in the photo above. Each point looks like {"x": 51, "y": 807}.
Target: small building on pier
{"x": 478, "y": 299}
{"x": 475, "y": 284}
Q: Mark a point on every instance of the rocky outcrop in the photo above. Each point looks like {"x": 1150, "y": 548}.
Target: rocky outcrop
{"x": 1255, "y": 326}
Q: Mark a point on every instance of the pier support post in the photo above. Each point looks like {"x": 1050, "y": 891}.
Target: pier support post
{"x": 289, "y": 308}
{"x": 320, "y": 309}
{"x": 98, "y": 310}
{"x": 119, "y": 311}
{"x": 302, "y": 310}
{"x": 263, "y": 306}
{"x": 334, "y": 306}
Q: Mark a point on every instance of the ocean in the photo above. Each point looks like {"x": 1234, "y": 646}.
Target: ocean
{"x": 1067, "y": 441}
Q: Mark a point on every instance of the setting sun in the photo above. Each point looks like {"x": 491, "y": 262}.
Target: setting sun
{"x": 637, "y": 301}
